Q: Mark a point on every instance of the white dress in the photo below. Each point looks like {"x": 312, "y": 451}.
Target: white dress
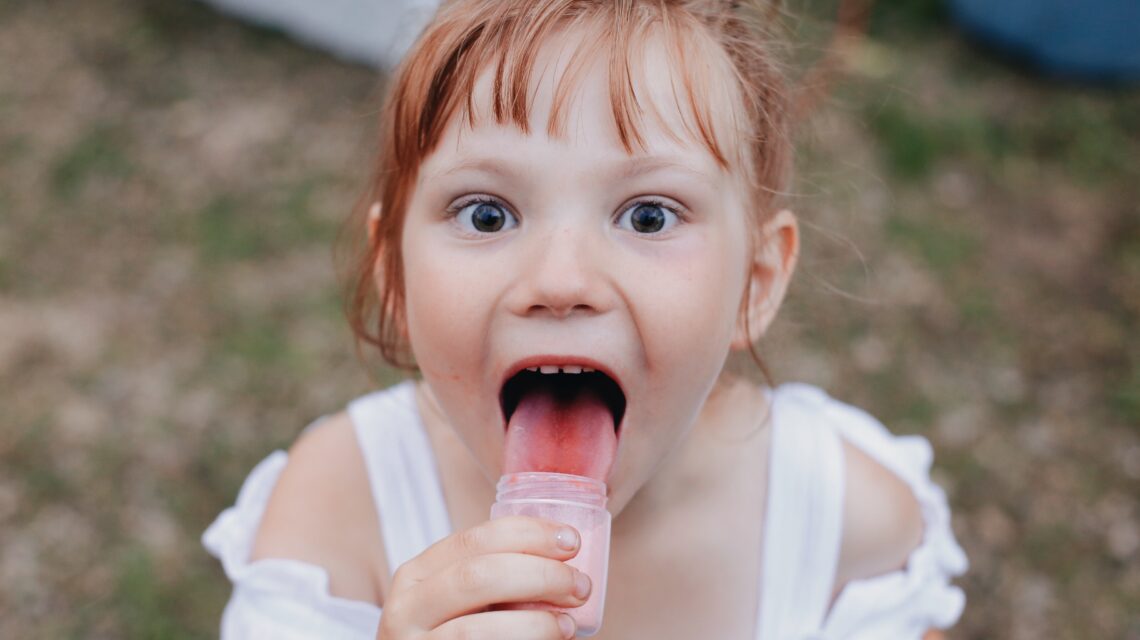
{"x": 289, "y": 599}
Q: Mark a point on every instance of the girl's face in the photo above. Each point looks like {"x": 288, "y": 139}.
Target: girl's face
{"x": 525, "y": 249}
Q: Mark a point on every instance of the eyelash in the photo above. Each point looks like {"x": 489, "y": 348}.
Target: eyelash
{"x": 681, "y": 212}
{"x": 454, "y": 209}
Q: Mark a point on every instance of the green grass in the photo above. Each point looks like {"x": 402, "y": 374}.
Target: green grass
{"x": 299, "y": 223}
{"x": 1124, "y": 399}
{"x": 979, "y": 309}
{"x": 185, "y": 23}
{"x": 911, "y": 147}
{"x": 227, "y": 230}
{"x": 911, "y": 18}
{"x": 914, "y": 142}
{"x": 151, "y": 605}
{"x": 917, "y": 409}
{"x": 1091, "y": 141}
{"x": 235, "y": 226}
{"x": 101, "y": 153}
{"x": 945, "y": 245}
{"x": 14, "y": 148}
{"x": 1077, "y": 131}
{"x": 7, "y": 274}
{"x": 177, "y": 23}
{"x": 31, "y": 459}
{"x": 260, "y": 342}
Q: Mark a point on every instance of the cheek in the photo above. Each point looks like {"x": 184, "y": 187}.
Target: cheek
{"x": 691, "y": 306}
{"x": 441, "y": 312}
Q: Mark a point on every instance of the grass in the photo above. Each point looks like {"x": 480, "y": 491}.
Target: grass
{"x": 155, "y": 607}
{"x": 1125, "y": 398}
{"x": 944, "y": 245}
{"x": 1092, "y": 141}
{"x": 32, "y": 461}
{"x": 258, "y": 341}
{"x": 913, "y": 18}
{"x": 186, "y": 23}
{"x": 236, "y": 227}
{"x": 227, "y": 231}
{"x": 100, "y": 154}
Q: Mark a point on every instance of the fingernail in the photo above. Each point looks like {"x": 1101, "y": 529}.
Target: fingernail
{"x": 581, "y": 585}
{"x": 566, "y": 625}
{"x": 567, "y": 538}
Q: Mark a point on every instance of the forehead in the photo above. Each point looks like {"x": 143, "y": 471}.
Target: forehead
{"x": 666, "y": 93}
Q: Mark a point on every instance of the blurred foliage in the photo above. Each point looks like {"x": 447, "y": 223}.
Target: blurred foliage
{"x": 97, "y": 155}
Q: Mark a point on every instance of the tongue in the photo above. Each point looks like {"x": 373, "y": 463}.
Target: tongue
{"x": 561, "y": 431}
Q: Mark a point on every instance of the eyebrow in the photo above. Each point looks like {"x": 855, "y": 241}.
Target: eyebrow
{"x": 625, "y": 170}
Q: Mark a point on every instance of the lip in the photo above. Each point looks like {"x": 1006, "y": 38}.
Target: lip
{"x": 581, "y": 361}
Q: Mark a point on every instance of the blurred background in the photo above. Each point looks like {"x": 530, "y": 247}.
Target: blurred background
{"x": 171, "y": 182}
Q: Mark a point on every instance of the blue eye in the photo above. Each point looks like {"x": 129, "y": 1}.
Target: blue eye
{"x": 648, "y": 217}
{"x": 485, "y": 216}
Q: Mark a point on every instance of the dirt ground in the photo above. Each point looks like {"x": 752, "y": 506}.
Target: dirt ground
{"x": 171, "y": 182}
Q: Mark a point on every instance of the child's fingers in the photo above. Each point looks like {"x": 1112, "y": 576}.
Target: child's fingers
{"x": 514, "y": 534}
{"x": 479, "y": 582}
{"x": 507, "y": 625}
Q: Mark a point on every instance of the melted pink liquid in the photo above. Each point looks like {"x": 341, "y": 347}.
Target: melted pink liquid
{"x": 592, "y": 559}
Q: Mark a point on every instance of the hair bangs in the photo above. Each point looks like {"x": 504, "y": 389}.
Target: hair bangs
{"x": 493, "y": 65}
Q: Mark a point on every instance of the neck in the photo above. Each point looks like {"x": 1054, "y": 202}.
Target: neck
{"x": 467, "y": 490}
{"x": 731, "y": 424}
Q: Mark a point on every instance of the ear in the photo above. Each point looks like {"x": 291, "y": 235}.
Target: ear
{"x": 372, "y": 222}
{"x": 774, "y": 259}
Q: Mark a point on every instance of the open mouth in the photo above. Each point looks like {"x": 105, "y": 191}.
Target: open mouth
{"x": 562, "y": 419}
{"x": 566, "y": 387}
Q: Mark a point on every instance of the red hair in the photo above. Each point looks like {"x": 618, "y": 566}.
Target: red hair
{"x": 436, "y": 81}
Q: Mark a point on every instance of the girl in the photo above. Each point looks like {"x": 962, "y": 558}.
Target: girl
{"x": 573, "y": 222}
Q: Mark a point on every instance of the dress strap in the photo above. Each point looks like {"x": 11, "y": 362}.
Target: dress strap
{"x": 401, "y": 471}
{"x": 803, "y": 521}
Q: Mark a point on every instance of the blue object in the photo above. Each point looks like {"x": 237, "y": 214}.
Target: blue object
{"x": 1088, "y": 39}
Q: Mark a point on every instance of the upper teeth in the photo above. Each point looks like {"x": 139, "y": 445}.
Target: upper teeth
{"x": 564, "y": 368}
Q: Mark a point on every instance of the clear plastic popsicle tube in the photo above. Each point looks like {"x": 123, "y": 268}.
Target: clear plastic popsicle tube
{"x": 574, "y": 500}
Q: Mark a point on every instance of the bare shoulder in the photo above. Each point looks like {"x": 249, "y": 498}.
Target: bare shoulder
{"x": 321, "y": 512}
{"x": 882, "y": 522}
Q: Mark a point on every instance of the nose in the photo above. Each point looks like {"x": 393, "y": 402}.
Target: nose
{"x": 564, "y": 273}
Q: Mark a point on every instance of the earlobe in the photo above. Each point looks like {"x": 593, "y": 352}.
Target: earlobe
{"x": 373, "y": 222}
{"x": 773, "y": 262}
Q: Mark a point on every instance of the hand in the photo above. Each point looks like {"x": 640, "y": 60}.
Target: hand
{"x": 447, "y": 591}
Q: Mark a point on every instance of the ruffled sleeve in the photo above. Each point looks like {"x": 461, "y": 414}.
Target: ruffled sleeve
{"x": 903, "y": 604}
{"x": 277, "y": 598}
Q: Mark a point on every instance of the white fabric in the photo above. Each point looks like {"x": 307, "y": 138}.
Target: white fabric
{"x": 290, "y": 600}
{"x": 902, "y": 604}
{"x": 905, "y": 603}
{"x": 401, "y": 471}
{"x": 275, "y": 598}
{"x": 803, "y": 519}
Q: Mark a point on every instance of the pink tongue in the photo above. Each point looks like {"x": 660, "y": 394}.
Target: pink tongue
{"x": 561, "y": 433}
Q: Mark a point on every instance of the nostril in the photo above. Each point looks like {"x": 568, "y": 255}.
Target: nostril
{"x": 561, "y": 311}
